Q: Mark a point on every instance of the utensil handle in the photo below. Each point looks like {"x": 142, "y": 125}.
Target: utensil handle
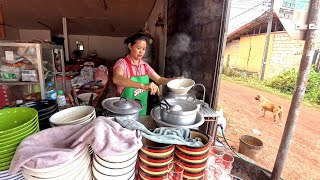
{"x": 160, "y": 95}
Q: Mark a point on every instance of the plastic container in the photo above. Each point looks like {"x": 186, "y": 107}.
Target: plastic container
{"x": 50, "y": 92}
{"x": 250, "y": 146}
{"x": 61, "y": 98}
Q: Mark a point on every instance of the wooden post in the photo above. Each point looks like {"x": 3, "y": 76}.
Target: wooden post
{"x": 304, "y": 71}
{"x": 266, "y": 44}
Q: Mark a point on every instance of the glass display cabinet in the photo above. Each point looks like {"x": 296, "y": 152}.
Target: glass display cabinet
{"x": 27, "y": 68}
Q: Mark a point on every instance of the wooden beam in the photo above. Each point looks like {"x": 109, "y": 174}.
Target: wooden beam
{"x": 2, "y": 33}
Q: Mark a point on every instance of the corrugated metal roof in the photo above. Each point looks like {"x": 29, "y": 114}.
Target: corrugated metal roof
{"x": 249, "y": 26}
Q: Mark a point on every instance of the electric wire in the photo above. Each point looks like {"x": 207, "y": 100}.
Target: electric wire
{"x": 247, "y": 10}
{"x": 225, "y": 139}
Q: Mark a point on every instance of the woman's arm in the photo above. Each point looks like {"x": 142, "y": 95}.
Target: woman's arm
{"x": 120, "y": 80}
{"x": 159, "y": 80}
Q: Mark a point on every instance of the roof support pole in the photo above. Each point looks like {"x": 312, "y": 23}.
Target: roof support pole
{"x": 266, "y": 44}
{"x": 304, "y": 71}
{"x": 65, "y": 36}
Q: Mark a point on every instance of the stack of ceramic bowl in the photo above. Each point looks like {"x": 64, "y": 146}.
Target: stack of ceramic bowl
{"x": 15, "y": 125}
{"x": 115, "y": 167}
{"x": 194, "y": 159}
{"x": 74, "y": 115}
{"x": 76, "y": 168}
{"x": 154, "y": 159}
{"x": 45, "y": 108}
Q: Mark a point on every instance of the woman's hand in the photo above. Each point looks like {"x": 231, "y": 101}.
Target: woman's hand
{"x": 152, "y": 87}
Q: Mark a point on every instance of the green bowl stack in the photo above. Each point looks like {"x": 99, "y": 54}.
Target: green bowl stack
{"x": 15, "y": 125}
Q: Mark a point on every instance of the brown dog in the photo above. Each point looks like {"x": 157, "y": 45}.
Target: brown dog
{"x": 266, "y": 105}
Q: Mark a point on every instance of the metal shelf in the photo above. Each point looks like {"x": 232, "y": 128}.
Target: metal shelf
{"x": 18, "y": 83}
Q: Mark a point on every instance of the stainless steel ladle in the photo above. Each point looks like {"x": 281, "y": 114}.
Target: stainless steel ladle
{"x": 171, "y": 107}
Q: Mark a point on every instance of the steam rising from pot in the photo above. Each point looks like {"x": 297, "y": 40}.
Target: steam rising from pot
{"x": 178, "y": 45}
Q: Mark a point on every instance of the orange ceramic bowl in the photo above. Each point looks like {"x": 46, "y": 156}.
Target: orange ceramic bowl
{"x": 145, "y": 176}
{"x": 193, "y": 167}
{"x": 195, "y": 159}
{"x": 196, "y": 150}
{"x": 152, "y": 161}
{"x": 187, "y": 175}
{"x": 154, "y": 149}
{"x": 153, "y": 171}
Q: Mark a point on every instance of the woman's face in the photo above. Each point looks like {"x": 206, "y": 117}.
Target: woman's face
{"x": 138, "y": 49}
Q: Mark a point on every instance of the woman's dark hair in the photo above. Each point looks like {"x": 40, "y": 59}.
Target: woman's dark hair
{"x": 134, "y": 37}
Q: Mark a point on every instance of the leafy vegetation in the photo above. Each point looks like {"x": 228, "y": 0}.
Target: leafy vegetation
{"x": 286, "y": 83}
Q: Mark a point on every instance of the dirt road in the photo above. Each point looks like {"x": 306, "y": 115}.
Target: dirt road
{"x": 241, "y": 109}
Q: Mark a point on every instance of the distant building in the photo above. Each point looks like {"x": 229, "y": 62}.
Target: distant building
{"x": 245, "y": 46}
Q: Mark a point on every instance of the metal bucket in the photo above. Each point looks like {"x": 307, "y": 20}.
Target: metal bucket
{"x": 250, "y": 146}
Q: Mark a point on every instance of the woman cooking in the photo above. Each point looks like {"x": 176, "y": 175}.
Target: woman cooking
{"x": 131, "y": 74}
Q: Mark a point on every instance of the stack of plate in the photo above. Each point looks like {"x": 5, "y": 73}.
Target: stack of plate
{"x": 5, "y": 176}
{"x": 45, "y": 108}
{"x": 15, "y": 125}
{"x": 74, "y": 115}
{"x": 76, "y": 168}
{"x": 116, "y": 167}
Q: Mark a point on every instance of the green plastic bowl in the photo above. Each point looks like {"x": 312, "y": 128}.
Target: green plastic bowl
{"x": 16, "y": 135}
{"x": 19, "y": 137}
{"x": 7, "y": 159}
{"x": 26, "y": 128}
{"x": 8, "y": 150}
{"x": 13, "y": 119}
{"x": 7, "y": 154}
{"x": 15, "y": 143}
{"x": 5, "y": 166}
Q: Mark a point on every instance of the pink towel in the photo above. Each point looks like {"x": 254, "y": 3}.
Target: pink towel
{"x": 57, "y": 145}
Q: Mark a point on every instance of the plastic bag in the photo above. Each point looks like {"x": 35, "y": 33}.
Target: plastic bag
{"x": 221, "y": 120}
{"x": 101, "y": 74}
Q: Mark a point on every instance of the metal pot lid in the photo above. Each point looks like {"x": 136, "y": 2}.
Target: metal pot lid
{"x": 121, "y": 105}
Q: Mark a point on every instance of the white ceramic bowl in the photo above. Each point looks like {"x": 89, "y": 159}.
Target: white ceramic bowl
{"x": 85, "y": 97}
{"x": 73, "y": 114}
{"x": 115, "y": 164}
{"x": 80, "y": 155}
{"x": 101, "y": 176}
{"x": 180, "y": 86}
{"x": 113, "y": 171}
{"x": 66, "y": 175}
{"x": 120, "y": 158}
{"x": 63, "y": 170}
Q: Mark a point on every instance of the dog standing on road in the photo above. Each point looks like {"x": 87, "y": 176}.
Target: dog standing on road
{"x": 266, "y": 105}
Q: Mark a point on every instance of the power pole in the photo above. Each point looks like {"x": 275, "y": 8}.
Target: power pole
{"x": 304, "y": 71}
{"x": 266, "y": 43}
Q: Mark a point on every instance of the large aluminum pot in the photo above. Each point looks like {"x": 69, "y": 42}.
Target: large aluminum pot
{"x": 186, "y": 97}
{"x": 185, "y": 117}
{"x": 122, "y": 107}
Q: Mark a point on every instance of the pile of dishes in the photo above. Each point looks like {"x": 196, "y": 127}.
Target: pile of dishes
{"x": 45, "y": 108}
{"x": 154, "y": 159}
{"x": 194, "y": 159}
{"x": 74, "y": 115}
{"x": 115, "y": 167}
{"x": 15, "y": 125}
{"x": 76, "y": 168}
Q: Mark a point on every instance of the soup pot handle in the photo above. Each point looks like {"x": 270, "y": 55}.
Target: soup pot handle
{"x": 204, "y": 90}
{"x": 138, "y": 133}
{"x": 123, "y": 98}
